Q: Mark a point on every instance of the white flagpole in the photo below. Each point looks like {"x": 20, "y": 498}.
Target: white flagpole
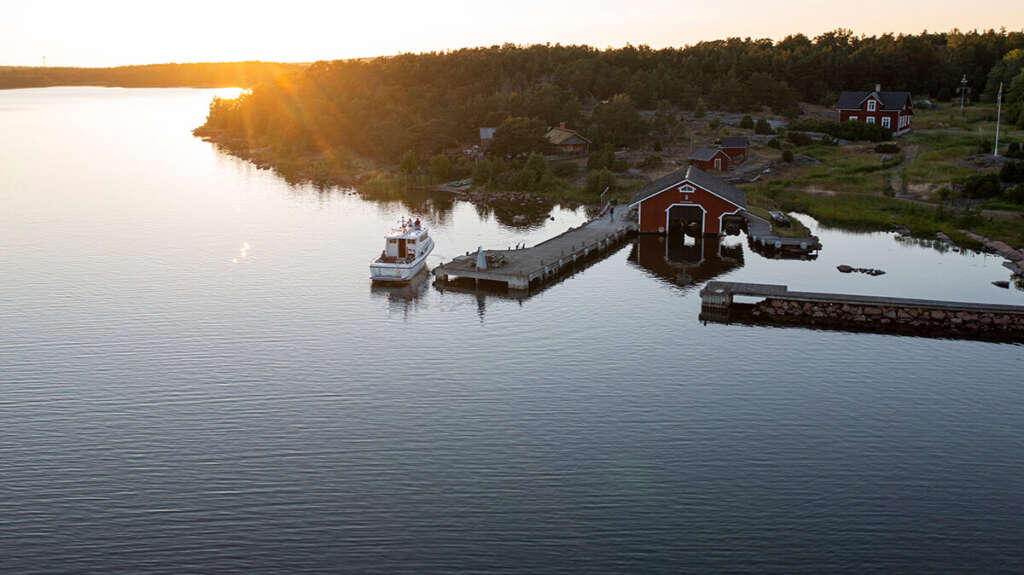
{"x": 999, "y": 110}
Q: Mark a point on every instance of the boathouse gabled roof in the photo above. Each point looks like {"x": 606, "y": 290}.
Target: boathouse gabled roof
{"x": 696, "y": 176}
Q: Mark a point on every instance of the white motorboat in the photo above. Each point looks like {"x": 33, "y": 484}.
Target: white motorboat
{"x": 405, "y": 253}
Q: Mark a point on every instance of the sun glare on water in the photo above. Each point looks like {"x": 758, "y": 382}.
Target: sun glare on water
{"x": 228, "y": 93}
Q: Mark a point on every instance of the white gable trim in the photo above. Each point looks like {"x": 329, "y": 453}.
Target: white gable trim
{"x": 679, "y": 184}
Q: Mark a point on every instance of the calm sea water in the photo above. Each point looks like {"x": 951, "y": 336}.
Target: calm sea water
{"x": 196, "y": 376}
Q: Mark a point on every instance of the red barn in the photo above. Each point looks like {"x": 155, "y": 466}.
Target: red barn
{"x": 736, "y": 147}
{"x": 890, "y": 110}
{"x": 709, "y": 159}
{"x": 689, "y": 198}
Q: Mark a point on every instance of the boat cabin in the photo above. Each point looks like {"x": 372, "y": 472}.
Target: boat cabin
{"x": 406, "y": 244}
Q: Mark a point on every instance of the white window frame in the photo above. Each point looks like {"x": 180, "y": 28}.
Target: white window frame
{"x": 872, "y": 105}
{"x": 870, "y": 119}
{"x": 852, "y": 118}
{"x": 887, "y": 122}
{"x": 718, "y": 164}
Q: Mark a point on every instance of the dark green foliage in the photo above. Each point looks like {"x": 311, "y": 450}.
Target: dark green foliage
{"x": 1015, "y": 195}
{"x": 440, "y": 167}
{"x": 787, "y": 155}
{"x": 383, "y": 107}
{"x": 798, "y": 138}
{"x": 981, "y": 186}
{"x": 620, "y": 165}
{"x": 651, "y": 162}
{"x": 657, "y": 145}
{"x": 666, "y": 122}
{"x": 715, "y": 123}
{"x": 700, "y": 110}
{"x": 856, "y": 131}
{"x": 887, "y": 148}
{"x": 519, "y": 136}
{"x": 747, "y": 123}
{"x": 566, "y": 169}
{"x": 763, "y": 127}
{"x": 827, "y": 140}
{"x": 598, "y": 180}
{"x": 1012, "y": 172}
{"x": 409, "y": 162}
{"x": 1014, "y": 150}
{"x": 774, "y": 143}
{"x": 603, "y": 158}
{"x": 944, "y": 95}
{"x": 618, "y": 122}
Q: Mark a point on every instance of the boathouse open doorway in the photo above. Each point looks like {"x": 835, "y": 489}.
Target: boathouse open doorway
{"x": 686, "y": 220}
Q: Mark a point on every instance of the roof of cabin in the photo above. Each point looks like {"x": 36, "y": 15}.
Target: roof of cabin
{"x": 562, "y": 136}
{"x": 696, "y": 176}
{"x": 891, "y": 101}
{"x": 735, "y": 142}
{"x": 704, "y": 154}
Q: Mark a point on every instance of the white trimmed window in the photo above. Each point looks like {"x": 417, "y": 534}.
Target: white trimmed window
{"x": 871, "y": 105}
{"x": 853, "y": 118}
{"x": 870, "y": 119}
{"x": 886, "y": 122}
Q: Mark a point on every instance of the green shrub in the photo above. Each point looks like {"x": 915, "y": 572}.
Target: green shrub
{"x": 827, "y": 140}
{"x": 1012, "y": 172}
{"x": 700, "y": 110}
{"x": 798, "y": 138}
{"x": 598, "y": 180}
{"x": 887, "y": 148}
{"x": 620, "y": 165}
{"x": 715, "y": 123}
{"x": 856, "y": 131}
{"x": 440, "y": 167}
{"x": 981, "y": 186}
{"x": 657, "y": 145}
{"x": 774, "y": 143}
{"x": 566, "y": 169}
{"x": 747, "y": 123}
{"x": 651, "y": 162}
{"x": 763, "y": 127}
{"x": 1015, "y": 194}
{"x": 603, "y": 158}
{"x": 787, "y": 155}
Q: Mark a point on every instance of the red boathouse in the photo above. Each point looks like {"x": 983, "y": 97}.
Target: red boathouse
{"x": 690, "y": 198}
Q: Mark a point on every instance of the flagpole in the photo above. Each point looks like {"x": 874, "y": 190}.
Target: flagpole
{"x": 999, "y": 110}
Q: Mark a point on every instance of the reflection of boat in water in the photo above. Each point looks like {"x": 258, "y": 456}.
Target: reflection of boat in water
{"x": 413, "y": 289}
{"x": 684, "y": 264}
{"x": 405, "y": 253}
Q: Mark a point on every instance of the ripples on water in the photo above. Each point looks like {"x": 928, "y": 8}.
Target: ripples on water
{"x": 197, "y": 377}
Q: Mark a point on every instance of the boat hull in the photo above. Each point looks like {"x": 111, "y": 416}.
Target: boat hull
{"x": 386, "y": 272}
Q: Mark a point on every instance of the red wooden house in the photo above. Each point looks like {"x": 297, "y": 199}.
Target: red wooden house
{"x": 689, "y": 198}
{"x": 709, "y": 159}
{"x": 736, "y": 147}
{"x": 891, "y": 110}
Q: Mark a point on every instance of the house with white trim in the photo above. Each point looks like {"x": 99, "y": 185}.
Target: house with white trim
{"x": 891, "y": 110}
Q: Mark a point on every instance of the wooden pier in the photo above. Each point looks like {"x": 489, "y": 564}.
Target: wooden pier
{"x": 523, "y": 269}
{"x": 860, "y": 312}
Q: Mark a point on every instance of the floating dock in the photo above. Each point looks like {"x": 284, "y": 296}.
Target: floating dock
{"x": 527, "y": 268}
{"x": 860, "y": 312}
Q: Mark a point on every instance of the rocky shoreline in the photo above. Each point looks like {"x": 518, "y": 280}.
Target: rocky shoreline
{"x": 892, "y": 318}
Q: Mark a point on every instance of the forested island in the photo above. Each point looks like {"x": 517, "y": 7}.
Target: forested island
{"x": 416, "y": 117}
{"x": 200, "y": 75}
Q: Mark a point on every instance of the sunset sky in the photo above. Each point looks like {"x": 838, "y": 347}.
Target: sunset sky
{"x": 110, "y": 32}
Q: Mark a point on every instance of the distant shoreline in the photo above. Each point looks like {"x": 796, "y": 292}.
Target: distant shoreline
{"x": 200, "y": 75}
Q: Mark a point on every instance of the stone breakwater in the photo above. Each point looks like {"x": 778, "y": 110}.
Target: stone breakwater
{"x": 893, "y": 318}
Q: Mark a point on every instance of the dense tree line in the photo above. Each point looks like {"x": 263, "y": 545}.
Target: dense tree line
{"x": 208, "y": 75}
{"x": 428, "y": 102}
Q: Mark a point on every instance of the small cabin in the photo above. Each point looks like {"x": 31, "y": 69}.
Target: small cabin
{"x": 736, "y": 147}
{"x": 406, "y": 243}
{"x": 567, "y": 142}
{"x": 890, "y": 110}
{"x": 709, "y": 159}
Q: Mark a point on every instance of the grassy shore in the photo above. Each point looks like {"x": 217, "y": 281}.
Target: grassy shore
{"x": 853, "y": 187}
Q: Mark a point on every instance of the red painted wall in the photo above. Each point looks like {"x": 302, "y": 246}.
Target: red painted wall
{"x": 652, "y": 210}
{"x": 894, "y": 117}
{"x": 709, "y": 166}
{"x": 736, "y": 154}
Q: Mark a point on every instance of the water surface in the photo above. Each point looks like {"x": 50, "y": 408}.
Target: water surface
{"x": 196, "y": 376}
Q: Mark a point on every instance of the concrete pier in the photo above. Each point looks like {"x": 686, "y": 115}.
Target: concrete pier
{"x": 526, "y": 268}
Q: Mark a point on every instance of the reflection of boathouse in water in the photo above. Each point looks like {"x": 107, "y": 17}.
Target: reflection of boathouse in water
{"x": 685, "y": 262}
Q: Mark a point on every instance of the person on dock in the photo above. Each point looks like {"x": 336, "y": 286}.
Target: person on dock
{"x": 611, "y": 212}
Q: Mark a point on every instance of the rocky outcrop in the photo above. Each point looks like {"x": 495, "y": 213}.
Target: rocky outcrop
{"x": 889, "y": 318}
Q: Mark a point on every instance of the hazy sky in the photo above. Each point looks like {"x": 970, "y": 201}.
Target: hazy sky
{"x": 114, "y": 32}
